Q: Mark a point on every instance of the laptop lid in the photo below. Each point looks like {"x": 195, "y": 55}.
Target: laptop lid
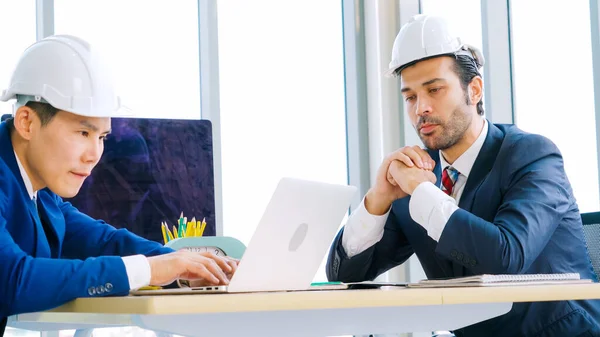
{"x": 293, "y": 236}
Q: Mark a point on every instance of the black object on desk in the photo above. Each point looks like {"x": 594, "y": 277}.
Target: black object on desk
{"x": 151, "y": 171}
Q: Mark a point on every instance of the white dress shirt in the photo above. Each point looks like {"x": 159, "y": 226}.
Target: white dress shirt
{"x": 136, "y": 266}
{"x": 429, "y": 206}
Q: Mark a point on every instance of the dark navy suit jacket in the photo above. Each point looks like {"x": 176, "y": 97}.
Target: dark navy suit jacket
{"x": 517, "y": 215}
{"x": 62, "y": 254}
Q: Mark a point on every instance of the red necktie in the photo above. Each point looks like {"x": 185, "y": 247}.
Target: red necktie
{"x": 449, "y": 177}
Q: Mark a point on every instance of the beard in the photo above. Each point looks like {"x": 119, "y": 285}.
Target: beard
{"x": 451, "y": 131}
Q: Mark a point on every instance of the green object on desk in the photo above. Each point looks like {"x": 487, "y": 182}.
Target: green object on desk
{"x": 316, "y": 284}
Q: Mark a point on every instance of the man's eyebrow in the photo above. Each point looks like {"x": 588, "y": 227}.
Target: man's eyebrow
{"x": 93, "y": 127}
{"x": 437, "y": 79}
{"x": 89, "y": 125}
{"x": 426, "y": 83}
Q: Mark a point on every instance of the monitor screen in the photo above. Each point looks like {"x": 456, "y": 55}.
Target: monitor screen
{"x": 152, "y": 170}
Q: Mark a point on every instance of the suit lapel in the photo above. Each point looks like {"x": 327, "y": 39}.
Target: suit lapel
{"x": 42, "y": 247}
{"x": 52, "y": 217}
{"x": 482, "y": 166}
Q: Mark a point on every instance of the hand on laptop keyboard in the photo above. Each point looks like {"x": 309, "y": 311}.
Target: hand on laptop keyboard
{"x": 233, "y": 263}
{"x": 205, "y": 268}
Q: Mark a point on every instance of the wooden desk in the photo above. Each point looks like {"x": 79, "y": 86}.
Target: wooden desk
{"x": 305, "y": 313}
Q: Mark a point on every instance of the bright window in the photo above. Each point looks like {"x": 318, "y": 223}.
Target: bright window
{"x": 150, "y": 46}
{"x": 17, "y": 17}
{"x": 281, "y": 69}
{"x": 554, "y": 87}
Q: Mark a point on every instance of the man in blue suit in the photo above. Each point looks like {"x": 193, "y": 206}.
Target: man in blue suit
{"x": 50, "y": 252}
{"x": 482, "y": 199}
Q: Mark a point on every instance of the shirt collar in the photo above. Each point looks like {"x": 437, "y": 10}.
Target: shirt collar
{"x": 26, "y": 180}
{"x": 465, "y": 162}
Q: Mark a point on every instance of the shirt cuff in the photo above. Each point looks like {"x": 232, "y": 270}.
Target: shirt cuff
{"x": 138, "y": 271}
{"x": 431, "y": 208}
{"x": 362, "y": 230}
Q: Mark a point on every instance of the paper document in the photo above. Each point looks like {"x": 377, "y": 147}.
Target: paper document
{"x": 502, "y": 280}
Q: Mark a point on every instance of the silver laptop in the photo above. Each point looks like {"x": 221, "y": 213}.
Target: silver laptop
{"x": 290, "y": 241}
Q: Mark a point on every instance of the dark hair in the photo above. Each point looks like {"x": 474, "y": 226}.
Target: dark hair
{"x": 465, "y": 68}
{"x": 45, "y": 111}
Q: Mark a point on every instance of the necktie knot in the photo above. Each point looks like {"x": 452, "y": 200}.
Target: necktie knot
{"x": 449, "y": 177}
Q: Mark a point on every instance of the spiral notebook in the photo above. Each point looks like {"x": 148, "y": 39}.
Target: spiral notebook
{"x": 487, "y": 280}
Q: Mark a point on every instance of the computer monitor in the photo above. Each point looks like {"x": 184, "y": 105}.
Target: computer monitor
{"x": 151, "y": 171}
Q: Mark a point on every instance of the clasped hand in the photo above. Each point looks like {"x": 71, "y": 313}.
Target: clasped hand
{"x": 410, "y": 167}
{"x": 403, "y": 170}
{"x": 398, "y": 176}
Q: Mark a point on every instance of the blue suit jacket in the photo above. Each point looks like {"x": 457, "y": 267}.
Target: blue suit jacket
{"x": 64, "y": 256}
{"x": 517, "y": 216}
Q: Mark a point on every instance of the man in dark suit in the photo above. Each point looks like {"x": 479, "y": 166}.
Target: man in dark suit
{"x": 51, "y": 253}
{"x": 481, "y": 199}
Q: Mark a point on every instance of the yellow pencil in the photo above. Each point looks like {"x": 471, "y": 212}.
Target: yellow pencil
{"x": 189, "y": 231}
{"x": 169, "y": 234}
{"x": 175, "y": 235}
{"x": 164, "y": 233}
{"x": 202, "y": 227}
{"x": 194, "y": 228}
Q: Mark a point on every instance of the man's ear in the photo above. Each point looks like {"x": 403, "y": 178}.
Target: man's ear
{"x": 476, "y": 90}
{"x": 24, "y": 121}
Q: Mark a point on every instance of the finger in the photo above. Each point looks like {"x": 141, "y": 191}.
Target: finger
{"x": 233, "y": 264}
{"x": 391, "y": 180}
{"x": 425, "y": 157}
{"x": 198, "y": 271}
{"x": 221, "y": 261}
{"x": 390, "y": 177}
{"x": 413, "y": 155}
{"x": 403, "y": 158}
{"x": 216, "y": 270}
{"x": 213, "y": 263}
{"x": 395, "y": 168}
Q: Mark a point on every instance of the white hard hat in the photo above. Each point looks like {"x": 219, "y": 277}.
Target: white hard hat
{"x": 65, "y": 72}
{"x": 426, "y": 36}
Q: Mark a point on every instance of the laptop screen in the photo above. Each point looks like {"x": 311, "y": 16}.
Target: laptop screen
{"x": 151, "y": 171}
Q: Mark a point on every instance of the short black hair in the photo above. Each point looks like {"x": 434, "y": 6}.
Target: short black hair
{"x": 45, "y": 111}
{"x": 466, "y": 69}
